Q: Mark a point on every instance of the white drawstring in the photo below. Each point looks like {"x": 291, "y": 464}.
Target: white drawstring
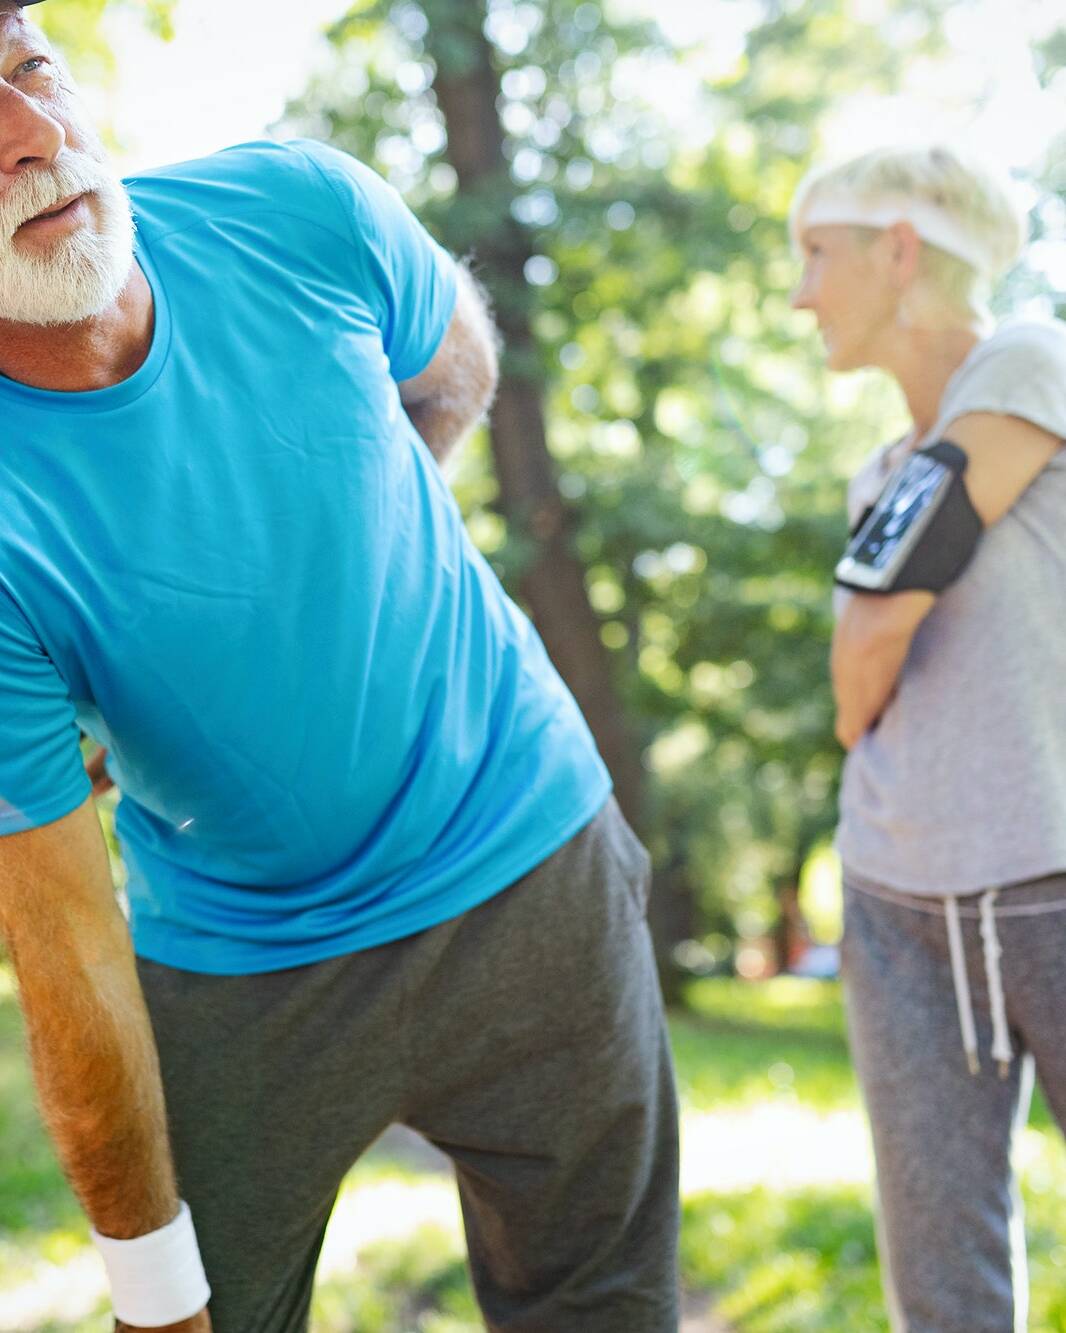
{"x": 962, "y": 984}
{"x": 986, "y": 913}
{"x": 1001, "y": 1047}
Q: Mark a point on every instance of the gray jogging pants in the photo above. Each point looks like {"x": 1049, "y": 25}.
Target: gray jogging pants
{"x": 524, "y": 1038}
{"x": 950, "y": 1230}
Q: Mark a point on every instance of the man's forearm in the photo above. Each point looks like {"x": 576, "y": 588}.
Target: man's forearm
{"x": 97, "y": 1073}
{"x": 90, "y": 1039}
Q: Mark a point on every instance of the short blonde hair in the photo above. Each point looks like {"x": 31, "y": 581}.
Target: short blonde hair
{"x": 983, "y": 204}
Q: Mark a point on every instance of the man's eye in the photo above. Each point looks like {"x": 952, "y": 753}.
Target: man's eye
{"x": 32, "y": 65}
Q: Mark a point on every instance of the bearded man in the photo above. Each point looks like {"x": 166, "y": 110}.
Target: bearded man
{"x": 374, "y": 870}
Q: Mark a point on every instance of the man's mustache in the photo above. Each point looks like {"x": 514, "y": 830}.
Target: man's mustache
{"x": 40, "y": 189}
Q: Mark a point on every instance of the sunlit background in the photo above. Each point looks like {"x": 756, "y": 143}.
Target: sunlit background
{"x": 230, "y": 69}
{"x": 227, "y": 73}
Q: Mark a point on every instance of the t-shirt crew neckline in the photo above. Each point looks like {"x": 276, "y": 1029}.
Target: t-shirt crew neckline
{"x": 125, "y": 391}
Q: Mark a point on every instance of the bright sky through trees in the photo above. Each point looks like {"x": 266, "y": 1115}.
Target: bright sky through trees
{"x": 228, "y": 72}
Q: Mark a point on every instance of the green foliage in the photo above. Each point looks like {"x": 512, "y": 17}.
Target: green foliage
{"x": 75, "y": 27}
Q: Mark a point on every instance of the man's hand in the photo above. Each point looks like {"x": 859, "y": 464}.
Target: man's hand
{"x": 199, "y": 1323}
{"x": 456, "y": 388}
{"x": 98, "y": 774}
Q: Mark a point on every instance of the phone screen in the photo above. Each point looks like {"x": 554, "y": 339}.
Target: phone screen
{"x": 907, "y": 498}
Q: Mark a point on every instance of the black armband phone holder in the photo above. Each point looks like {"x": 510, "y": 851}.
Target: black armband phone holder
{"x": 922, "y": 531}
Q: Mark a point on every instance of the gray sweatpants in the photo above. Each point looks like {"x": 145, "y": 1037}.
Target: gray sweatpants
{"x": 950, "y": 1224}
{"x": 524, "y": 1038}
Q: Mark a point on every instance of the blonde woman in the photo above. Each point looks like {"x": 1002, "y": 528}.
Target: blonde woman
{"x": 948, "y": 665}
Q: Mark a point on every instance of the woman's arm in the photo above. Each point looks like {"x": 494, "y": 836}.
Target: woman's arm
{"x": 874, "y": 632}
{"x": 870, "y": 644}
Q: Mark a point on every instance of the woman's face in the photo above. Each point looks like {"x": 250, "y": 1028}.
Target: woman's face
{"x": 846, "y": 283}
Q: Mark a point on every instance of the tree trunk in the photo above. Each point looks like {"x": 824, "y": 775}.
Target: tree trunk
{"x": 467, "y": 88}
{"x": 790, "y": 936}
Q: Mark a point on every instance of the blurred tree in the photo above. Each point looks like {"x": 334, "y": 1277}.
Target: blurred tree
{"x": 1050, "y": 210}
{"x": 666, "y": 484}
{"x": 77, "y": 28}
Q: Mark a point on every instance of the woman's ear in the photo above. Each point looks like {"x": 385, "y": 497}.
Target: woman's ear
{"x": 904, "y": 248}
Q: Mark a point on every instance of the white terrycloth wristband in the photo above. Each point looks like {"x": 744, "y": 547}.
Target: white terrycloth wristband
{"x": 159, "y": 1278}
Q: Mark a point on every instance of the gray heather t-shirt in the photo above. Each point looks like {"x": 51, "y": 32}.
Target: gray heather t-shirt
{"x": 961, "y": 786}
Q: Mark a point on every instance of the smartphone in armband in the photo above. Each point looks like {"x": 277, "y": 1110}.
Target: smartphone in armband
{"x": 887, "y": 552}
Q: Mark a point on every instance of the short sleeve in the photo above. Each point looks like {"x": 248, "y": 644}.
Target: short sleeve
{"x": 1019, "y": 372}
{"x": 41, "y": 773}
{"x": 411, "y": 275}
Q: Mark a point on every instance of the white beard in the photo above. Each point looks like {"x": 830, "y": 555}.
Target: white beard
{"x": 81, "y": 273}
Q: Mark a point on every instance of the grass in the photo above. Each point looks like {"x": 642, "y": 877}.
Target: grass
{"x": 777, "y": 1258}
{"x": 34, "y": 1197}
{"x": 736, "y": 1044}
{"x": 420, "y": 1283}
{"x": 786, "y": 1262}
{"x": 733, "y": 1037}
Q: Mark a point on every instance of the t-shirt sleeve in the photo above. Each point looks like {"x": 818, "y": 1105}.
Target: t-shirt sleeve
{"x": 41, "y": 773}
{"x": 411, "y": 278}
{"x": 1021, "y": 372}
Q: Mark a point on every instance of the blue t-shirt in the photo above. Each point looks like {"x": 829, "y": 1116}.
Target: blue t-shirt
{"x": 241, "y": 570}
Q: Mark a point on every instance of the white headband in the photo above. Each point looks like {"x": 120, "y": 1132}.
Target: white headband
{"x": 930, "y": 222}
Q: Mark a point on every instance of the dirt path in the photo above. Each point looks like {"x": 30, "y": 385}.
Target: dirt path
{"x": 698, "y": 1316}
